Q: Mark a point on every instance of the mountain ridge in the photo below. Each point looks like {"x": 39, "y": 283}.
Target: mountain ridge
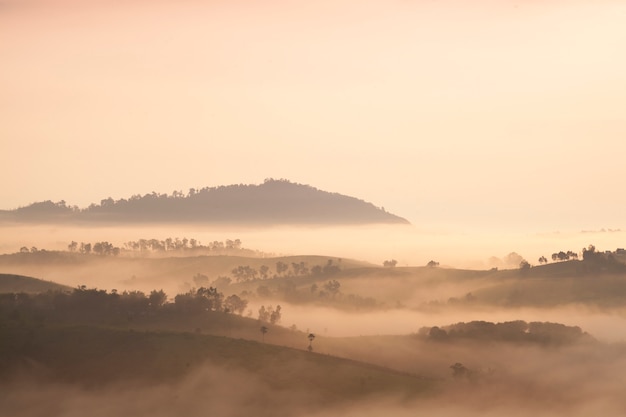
{"x": 274, "y": 202}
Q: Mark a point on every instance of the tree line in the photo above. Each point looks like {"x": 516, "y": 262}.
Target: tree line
{"x": 92, "y": 304}
{"x": 512, "y": 331}
{"x": 246, "y": 273}
{"x": 150, "y": 246}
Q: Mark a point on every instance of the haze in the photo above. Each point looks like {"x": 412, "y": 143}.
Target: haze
{"x": 499, "y": 114}
{"x": 495, "y": 127}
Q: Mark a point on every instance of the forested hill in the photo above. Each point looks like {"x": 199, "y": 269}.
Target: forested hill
{"x": 273, "y": 202}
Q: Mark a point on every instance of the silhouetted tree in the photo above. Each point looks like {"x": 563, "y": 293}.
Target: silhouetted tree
{"x": 543, "y": 260}
{"x": 157, "y": 298}
{"x": 235, "y": 304}
{"x": 589, "y": 253}
{"x": 432, "y": 264}
{"x": 390, "y": 264}
{"x": 264, "y": 314}
{"x": 524, "y": 266}
{"x": 264, "y": 330}
{"x": 275, "y": 315}
{"x": 332, "y": 287}
{"x": 311, "y": 337}
{"x": 458, "y": 370}
{"x": 263, "y": 270}
{"x": 281, "y": 268}
{"x": 85, "y": 248}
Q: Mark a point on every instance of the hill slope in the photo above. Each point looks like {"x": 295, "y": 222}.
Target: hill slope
{"x": 10, "y": 283}
{"x": 66, "y": 354}
{"x": 273, "y": 202}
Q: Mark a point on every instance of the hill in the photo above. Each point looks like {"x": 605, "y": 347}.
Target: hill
{"x": 174, "y": 274}
{"x": 272, "y": 203}
{"x": 96, "y": 357}
{"x": 10, "y": 283}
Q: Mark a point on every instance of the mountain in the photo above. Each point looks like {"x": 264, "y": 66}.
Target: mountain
{"x": 274, "y": 202}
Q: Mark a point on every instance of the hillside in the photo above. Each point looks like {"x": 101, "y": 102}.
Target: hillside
{"x": 66, "y": 354}
{"x": 271, "y": 203}
{"x": 10, "y": 283}
{"x": 174, "y": 274}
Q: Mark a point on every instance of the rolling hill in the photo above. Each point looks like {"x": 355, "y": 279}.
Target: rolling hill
{"x": 10, "y": 283}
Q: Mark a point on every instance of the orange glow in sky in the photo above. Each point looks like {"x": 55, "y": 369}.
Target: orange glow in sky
{"x": 484, "y": 113}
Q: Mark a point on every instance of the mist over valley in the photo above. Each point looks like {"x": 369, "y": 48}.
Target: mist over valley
{"x": 312, "y": 209}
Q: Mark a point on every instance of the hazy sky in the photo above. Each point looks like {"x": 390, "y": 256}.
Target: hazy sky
{"x": 503, "y": 113}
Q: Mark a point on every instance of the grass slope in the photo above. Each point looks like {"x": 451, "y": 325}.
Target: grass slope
{"x": 10, "y": 283}
{"x": 96, "y": 356}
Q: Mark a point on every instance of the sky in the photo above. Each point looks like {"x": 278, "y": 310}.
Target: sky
{"x": 452, "y": 114}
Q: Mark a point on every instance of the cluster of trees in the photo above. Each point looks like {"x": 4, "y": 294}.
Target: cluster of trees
{"x": 270, "y": 315}
{"x": 588, "y": 254}
{"x": 327, "y": 293}
{"x": 559, "y": 256}
{"x": 329, "y": 289}
{"x": 246, "y": 273}
{"x": 100, "y": 305}
{"x": 512, "y": 331}
{"x": 177, "y": 244}
{"x": 390, "y": 263}
{"x": 149, "y": 245}
{"x": 99, "y": 248}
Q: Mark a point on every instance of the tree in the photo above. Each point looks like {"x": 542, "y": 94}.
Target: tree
{"x": 524, "y": 265}
{"x": 561, "y": 256}
{"x": 72, "y": 246}
{"x": 85, "y": 248}
{"x": 332, "y": 287}
{"x": 275, "y": 315}
{"x": 24, "y": 249}
{"x": 157, "y": 298}
{"x": 281, "y": 268}
{"x": 269, "y": 314}
{"x": 543, "y": 260}
{"x": 432, "y": 264}
{"x": 390, "y": 264}
{"x": 311, "y": 336}
{"x": 264, "y": 314}
{"x": 263, "y": 270}
{"x": 589, "y": 253}
{"x": 235, "y": 304}
{"x": 264, "y": 330}
{"x": 330, "y": 268}
{"x": 458, "y": 370}
{"x": 212, "y": 296}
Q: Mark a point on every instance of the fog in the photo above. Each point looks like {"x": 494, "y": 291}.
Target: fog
{"x": 605, "y": 326}
{"x": 409, "y": 245}
{"x": 576, "y": 378}
{"x": 206, "y": 391}
{"x": 545, "y": 384}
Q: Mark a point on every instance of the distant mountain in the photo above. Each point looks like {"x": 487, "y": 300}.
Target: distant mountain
{"x": 273, "y": 202}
